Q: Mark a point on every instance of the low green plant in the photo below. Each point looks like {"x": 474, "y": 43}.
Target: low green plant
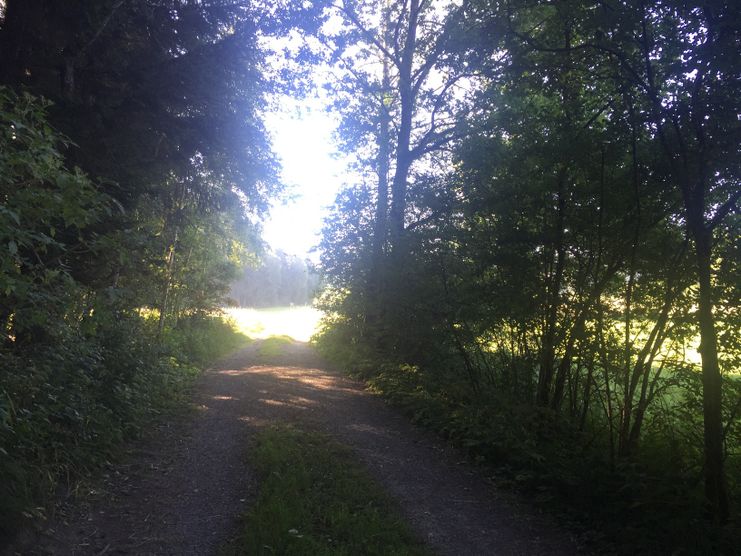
{"x": 65, "y": 409}
{"x": 316, "y": 500}
{"x": 647, "y": 504}
{"x": 83, "y": 363}
{"x": 202, "y": 338}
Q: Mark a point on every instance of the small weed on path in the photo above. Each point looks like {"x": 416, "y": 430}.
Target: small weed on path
{"x": 316, "y": 500}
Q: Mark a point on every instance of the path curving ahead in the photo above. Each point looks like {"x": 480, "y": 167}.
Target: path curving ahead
{"x": 182, "y": 491}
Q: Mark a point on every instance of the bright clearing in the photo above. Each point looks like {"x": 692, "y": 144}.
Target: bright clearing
{"x": 302, "y": 138}
{"x": 300, "y": 323}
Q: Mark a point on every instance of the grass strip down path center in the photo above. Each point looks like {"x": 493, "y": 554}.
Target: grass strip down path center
{"x": 316, "y": 499}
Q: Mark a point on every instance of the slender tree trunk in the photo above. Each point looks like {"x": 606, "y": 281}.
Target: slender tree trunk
{"x": 604, "y": 361}
{"x": 645, "y": 398}
{"x": 165, "y": 302}
{"x": 644, "y": 366}
{"x": 177, "y": 303}
{"x": 564, "y": 367}
{"x": 628, "y": 388}
{"x": 641, "y": 368}
{"x": 587, "y": 395}
{"x": 548, "y": 350}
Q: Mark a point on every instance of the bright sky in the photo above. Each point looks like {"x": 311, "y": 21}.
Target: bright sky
{"x": 301, "y": 131}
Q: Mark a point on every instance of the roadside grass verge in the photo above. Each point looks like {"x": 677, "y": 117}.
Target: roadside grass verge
{"x": 66, "y": 409}
{"x": 204, "y": 339}
{"x": 647, "y": 505}
{"x": 315, "y": 499}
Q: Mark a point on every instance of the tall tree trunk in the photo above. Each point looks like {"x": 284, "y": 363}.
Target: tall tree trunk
{"x": 384, "y": 138}
{"x": 715, "y": 482}
{"x": 380, "y": 227}
{"x": 407, "y": 95}
{"x": 692, "y": 159}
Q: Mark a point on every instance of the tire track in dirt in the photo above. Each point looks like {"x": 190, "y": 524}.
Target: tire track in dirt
{"x": 182, "y": 490}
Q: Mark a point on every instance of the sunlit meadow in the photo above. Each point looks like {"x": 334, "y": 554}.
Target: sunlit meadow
{"x": 298, "y": 322}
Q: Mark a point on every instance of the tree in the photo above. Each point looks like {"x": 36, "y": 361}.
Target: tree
{"x": 48, "y": 213}
{"x": 162, "y": 102}
{"x": 572, "y": 240}
{"x": 401, "y": 63}
{"x": 676, "y": 62}
{"x": 691, "y": 94}
{"x": 275, "y": 280}
{"x": 134, "y": 172}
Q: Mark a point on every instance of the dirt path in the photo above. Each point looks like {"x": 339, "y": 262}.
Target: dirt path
{"x": 182, "y": 491}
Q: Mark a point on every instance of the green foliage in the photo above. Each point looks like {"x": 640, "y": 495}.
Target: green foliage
{"x": 46, "y": 217}
{"x": 134, "y": 170}
{"x": 544, "y": 301}
{"x": 204, "y": 338}
{"x": 273, "y": 346}
{"x": 65, "y": 409}
{"x": 657, "y": 497}
{"x": 315, "y": 499}
{"x": 150, "y": 94}
{"x": 81, "y": 368}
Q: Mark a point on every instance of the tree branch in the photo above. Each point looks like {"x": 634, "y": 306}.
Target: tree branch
{"x": 353, "y": 17}
{"x": 724, "y": 210}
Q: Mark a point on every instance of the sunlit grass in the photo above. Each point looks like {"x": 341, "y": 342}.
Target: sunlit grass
{"x": 273, "y": 346}
{"x": 299, "y": 323}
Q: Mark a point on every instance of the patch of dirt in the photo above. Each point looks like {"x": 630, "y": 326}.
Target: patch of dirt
{"x": 183, "y": 489}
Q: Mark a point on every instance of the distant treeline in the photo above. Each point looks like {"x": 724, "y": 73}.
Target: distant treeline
{"x": 280, "y": 279}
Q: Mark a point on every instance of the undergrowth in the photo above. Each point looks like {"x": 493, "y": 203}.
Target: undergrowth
{"x": 315, "y": 500}
{"x": 67, "y": 406}
{"x": 647, "y": 504}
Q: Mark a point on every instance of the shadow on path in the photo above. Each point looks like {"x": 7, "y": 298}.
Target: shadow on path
{"x": 183, "y": 489}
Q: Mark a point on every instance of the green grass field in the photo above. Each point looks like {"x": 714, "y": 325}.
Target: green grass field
{"x": 298, "y": 323}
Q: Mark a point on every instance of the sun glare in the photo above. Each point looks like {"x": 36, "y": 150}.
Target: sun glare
{"x": 299, "y": 323}
{"x": 301, "y": 131}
